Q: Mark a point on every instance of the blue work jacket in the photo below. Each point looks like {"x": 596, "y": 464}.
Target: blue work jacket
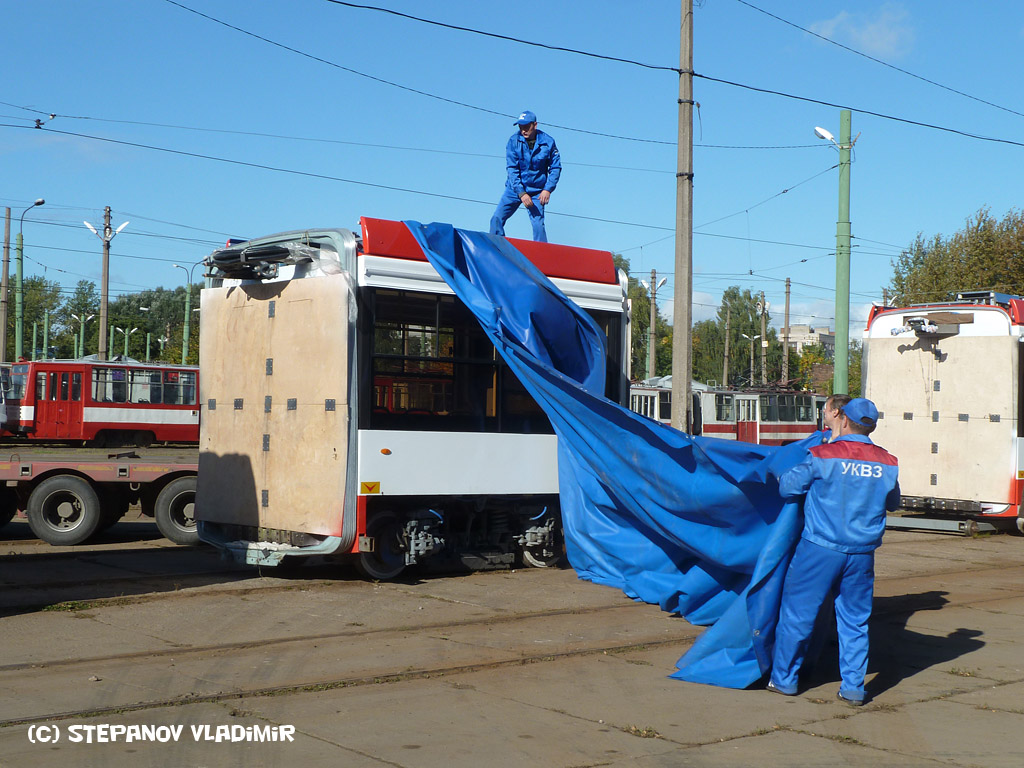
{"x": 850, "y": 483}
{"x": 532, "y": 171}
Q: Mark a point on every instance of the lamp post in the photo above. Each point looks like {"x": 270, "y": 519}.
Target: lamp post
{"x": 752, "y": 340}
{"x": 653, "y": 290}
{"x": 19, "y": 288}
{"x": 188, "y": 309}
{"x": 106, "y": 237}
{"x": 126, "y": 333}
{"x": 840, "y": 376}
{"x": 81, "y": 334}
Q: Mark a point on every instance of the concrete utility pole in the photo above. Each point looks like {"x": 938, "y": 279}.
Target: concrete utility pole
{"x": 682, "y": 313}
{"x": 106, "y": 237}
{"x": 3, "y": 287}
{"x": 785, "y": 342}
{"x": 725, "y": 365}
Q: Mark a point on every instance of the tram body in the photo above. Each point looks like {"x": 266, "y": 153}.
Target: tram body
{"x": 749, "y": 416}
{"x": 947, "y": 379}
{"x": 109, "y": 403}
{"x": 353, "y": 406}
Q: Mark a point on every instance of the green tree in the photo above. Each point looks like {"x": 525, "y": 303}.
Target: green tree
{"x": 640, "y": 301}
{"x": 738, "y": 312}
{"x": 985, "y": 255}
{"x": 40, "y": 296}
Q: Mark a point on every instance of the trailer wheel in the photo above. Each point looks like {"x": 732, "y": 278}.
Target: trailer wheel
{"x": 387, "y": 560}
{"x": 64, "y": 510}
{"x": 175, "y": 511}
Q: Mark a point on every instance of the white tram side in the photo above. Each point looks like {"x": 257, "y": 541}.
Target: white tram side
{"x": 767, "y": 417}
{"x": 352, "y": 406}
{"x": 947, "y": 379}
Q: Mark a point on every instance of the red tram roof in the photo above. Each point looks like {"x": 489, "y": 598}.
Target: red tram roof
{"x": 392, "y": 238}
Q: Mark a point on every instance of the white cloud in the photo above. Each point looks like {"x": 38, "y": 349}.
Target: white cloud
{"x": 887, "y": 33}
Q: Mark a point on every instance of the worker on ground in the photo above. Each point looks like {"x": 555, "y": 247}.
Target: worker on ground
{"x": 533, "y": 170}
{"x": 849, "y": 484}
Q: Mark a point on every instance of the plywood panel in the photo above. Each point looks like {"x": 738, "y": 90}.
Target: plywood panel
{"x": 966, "y": 381}
{"x": 280, "y": 468}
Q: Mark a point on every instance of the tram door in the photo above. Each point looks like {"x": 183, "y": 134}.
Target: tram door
{"x": 58, "y": 404}
{"x": 746, "y": 418}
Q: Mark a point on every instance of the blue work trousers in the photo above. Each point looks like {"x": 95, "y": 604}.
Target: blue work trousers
{"x": 508, "y": 205}
{"x": 814, "y": 572}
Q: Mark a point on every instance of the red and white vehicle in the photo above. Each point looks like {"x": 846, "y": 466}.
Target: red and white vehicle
{"x": 748, "y": 415}
{"x": 104, "y": 403}
{"x": 354, "y": 407}
{"x": 947, "y": 379}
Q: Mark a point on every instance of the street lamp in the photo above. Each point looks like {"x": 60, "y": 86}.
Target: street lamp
{"x": 840, "y": 376}
{"x": 126, "y": 333}
{"x": 188, "y": 308}
{"x": 653, "y": 290}
{"x": 19, "y": 288}
{"x": 81, "y": 341}
{"x": 106, "y": 237}
{"x": 752, "y": 340}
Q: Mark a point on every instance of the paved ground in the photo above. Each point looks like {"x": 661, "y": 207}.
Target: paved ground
{"x": 509, "y": 668}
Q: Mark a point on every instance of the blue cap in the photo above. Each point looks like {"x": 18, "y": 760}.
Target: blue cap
{"x": 525, "y": 118}
{"x": 861, "y": 411}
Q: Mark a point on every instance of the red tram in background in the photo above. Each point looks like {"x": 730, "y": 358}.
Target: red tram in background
{"x": 105, "y": 403}
{"x": 768, "y": 417}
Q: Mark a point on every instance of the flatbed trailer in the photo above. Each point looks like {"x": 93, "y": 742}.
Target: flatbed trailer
{"x": 70, "y": 497}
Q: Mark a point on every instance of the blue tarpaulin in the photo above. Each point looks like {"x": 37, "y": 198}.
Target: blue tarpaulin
{"x": 694, "y": 525}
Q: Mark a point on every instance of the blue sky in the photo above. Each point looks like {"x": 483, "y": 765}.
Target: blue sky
{"x": 370, "y": 114}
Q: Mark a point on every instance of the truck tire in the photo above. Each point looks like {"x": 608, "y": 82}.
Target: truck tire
{"x": 64, "y": 510}
{"x": 175, "y": 511}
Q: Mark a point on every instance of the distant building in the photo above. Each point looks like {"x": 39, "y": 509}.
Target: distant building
{"x": 804, "y": 335}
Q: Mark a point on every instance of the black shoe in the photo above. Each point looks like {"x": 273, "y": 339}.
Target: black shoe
{"x": 775, "y": 689}
{"x": 851, "y": 702}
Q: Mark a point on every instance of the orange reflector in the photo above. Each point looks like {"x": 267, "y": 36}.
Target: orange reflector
{"x": 386, "y": 451}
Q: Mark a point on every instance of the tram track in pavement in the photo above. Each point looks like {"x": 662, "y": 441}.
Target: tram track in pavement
{"x": 466, "y": 634}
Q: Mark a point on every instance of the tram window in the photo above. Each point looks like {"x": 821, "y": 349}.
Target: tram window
{"x": 51, "y": 393}
{"x": 804, "y": 408}
{"x": 140, "y": 389}
{"x": 172, "y": 392}
{"x": 187, "y": 380}
{"x": 787, "y": 407}
{"x": 109, "y": 385}
{"x": 40, "y": 386}
{"x": 724, "y": 410}
{"x": 665, "y": 405}
{"x": 19, "y": 380}
{"x": 76, "y": 386}
{"x": 432, "y": 367}
{"x": 769, "y": 408}
{"x": 64, "y": 386}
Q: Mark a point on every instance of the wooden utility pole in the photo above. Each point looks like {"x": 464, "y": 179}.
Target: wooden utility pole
{"x": 682, "y": 314}
{"x": 785, "y": 342}
{"x": 3, "y": 287}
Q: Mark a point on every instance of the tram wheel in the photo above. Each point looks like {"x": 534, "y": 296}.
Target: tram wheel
{"x": 143, "y": 438}
{"x": 175, "y": 511}
{"x": 387, "y": 560}
{"x": 536, "y": 557}
{"x": 64, "y": 510}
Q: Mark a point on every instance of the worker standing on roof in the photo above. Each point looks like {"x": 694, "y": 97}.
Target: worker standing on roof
{"x": 533, "y": 170}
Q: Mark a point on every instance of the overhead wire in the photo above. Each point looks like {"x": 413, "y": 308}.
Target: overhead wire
{"x": 880, "y": 61}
